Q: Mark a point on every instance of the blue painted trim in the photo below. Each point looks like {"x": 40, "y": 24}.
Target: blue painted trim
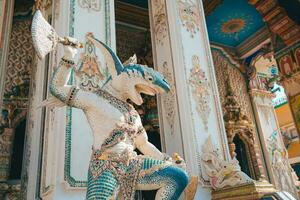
{"x": 68, "y": 139}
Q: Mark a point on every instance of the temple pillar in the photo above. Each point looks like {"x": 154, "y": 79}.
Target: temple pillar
{"x": 191, "y": 112}
{"x": 272, "y": 144}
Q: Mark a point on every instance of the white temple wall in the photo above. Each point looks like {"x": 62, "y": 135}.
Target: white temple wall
{"x": 182, "y": 53}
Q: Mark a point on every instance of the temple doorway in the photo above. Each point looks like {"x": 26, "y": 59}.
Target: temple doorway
{"x": 242, "y": 152}
{"x": 133, "y": 37}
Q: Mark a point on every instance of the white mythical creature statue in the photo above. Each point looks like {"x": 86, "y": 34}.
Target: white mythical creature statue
{"x": 115, "y": 170}
{"x": 222, "y": 173}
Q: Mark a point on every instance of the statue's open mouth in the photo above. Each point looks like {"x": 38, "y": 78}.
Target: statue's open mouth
{"x": 141, "y": 88}
{"x": 145, "y": 89}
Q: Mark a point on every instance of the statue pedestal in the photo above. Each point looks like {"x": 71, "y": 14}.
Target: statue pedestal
{"x": 251, "y": 191}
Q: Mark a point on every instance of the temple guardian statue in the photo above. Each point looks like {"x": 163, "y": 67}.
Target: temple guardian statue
{"x": 115, "y": 169}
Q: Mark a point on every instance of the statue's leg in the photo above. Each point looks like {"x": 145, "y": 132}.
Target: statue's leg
{"x": 104, "y": 187}
{"x": 170, "y": 180}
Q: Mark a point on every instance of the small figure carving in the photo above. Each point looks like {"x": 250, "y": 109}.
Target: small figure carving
{"x": 222, "y": 173}
{"x": 280, "y": 165}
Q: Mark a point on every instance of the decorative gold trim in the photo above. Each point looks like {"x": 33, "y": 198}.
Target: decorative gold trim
{"x": 252, "y": 191}
{"x": 201, "y": 90}
{"x": 189, "y": 16}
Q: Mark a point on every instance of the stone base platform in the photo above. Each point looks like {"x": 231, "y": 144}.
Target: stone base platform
{"x": 251, "y": 191}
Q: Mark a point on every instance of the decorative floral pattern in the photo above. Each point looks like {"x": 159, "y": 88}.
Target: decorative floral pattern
{"x": 189, "y": 16}
{"x": 160, "y": 21}
{"x": 20, "y": 56}
{"x": 201, "y": 90}
{"x": 169, "y": 98}
{"x": 228, "y": 75}
{"x": 90, "y": 5}
{"x": 223, "y": 67}
{"x": 90, "y": 75}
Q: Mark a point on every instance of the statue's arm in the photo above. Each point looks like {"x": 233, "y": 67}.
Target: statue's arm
{"x": 69, "y": 94}
{"x": 146, "y": 147}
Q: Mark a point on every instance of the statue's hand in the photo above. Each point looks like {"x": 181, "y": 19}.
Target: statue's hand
{"x": 89, "y": 35}
{"x": 70, "y": 51}
{"x": 91, "y": 38}
{"x": 178, "y": 161}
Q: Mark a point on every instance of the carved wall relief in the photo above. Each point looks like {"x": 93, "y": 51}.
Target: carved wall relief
{"x": 223, "y": 68}
{"x": 169, "y": 98}
{"x": 20, "y": 56}
{"x": 189, "y": 16}
{"x": 90, "y": 5}
{"x": 160, "y": 21}
{"x": 237, "y": 109}
{"x": 238, "y": 125}
{"x": 201, "y": 90}
{"x": 280, "y": 165}
{"x": 221, "y": 173}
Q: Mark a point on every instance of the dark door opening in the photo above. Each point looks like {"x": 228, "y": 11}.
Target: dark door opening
{"x": 241, "y": 154}
{"x": 17, "y": 151}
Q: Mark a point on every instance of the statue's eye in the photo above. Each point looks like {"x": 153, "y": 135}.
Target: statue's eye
{"x": 148, "y": 77}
